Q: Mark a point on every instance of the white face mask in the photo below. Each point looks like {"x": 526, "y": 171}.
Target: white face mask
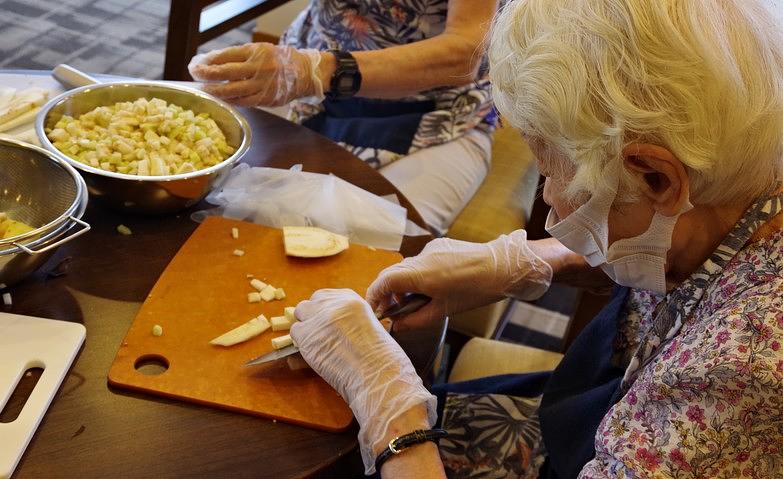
{"x": 638, "y": 262}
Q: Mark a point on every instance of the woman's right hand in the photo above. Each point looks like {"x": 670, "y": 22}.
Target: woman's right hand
{"x": 460, "y": 276}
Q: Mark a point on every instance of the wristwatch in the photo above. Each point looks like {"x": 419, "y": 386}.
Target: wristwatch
{"x": 346, "y": 80}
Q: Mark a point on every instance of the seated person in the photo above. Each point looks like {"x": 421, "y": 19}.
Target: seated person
{"x": 659, "y": 127}
{"x": 410, "y": 95}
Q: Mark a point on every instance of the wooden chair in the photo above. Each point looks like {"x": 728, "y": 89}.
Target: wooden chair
{"x": 502, "y": 204}
{"x": 195, "y": 22}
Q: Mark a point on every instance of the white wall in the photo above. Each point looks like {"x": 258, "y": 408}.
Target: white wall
{"x": 276, "y": 21}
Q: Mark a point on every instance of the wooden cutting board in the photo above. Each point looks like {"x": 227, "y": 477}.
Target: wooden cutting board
{"x": 203, "y": 293}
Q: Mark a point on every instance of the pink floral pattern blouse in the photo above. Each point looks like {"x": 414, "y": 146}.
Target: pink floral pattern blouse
{"x": 708, "y": 403}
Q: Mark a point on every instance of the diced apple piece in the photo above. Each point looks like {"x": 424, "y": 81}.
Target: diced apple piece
{"x": 235, "y": 233}
{"x": 124, "y": 230}
{"x": 258, "y": 285}
{"x": 282, "y": 341}
{"x": 254, "y": 297}
{"x": 280, "y": 323}
{"x": 268, "y": 293}
{"x": 279, "y": 293}
{"x": 310, "y": 242}
{"x": 289, "y": 313}
{"x": 239, "y": 252}
{"x": 243, "y": 332}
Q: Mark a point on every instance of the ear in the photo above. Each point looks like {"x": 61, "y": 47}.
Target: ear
{"x": 661, "y": 177}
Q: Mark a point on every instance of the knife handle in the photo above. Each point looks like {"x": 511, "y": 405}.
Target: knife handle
{"x": 410, "y": 303}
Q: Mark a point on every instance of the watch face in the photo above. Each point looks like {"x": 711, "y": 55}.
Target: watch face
{"x": 345, "y": 82}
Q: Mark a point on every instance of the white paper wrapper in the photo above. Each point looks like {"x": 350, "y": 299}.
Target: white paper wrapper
{"x": 277, "y": 198}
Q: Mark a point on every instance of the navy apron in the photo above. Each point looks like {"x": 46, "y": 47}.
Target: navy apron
{"x": 575, "y": 396}
{"x": 383, "y": 124}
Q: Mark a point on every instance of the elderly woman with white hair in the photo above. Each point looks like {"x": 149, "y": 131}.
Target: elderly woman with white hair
{"x": 659, "y": 127}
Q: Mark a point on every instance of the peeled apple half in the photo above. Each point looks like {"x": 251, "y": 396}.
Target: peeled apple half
{"x": 311, "y": 242}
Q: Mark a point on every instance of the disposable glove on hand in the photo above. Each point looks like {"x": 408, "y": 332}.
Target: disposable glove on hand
{"x": 342, "y": 340}
{"x": 460, "y": 276}
{"x": 259, "y": 74}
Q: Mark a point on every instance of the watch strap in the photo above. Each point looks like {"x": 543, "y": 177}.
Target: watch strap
{"x": 398, "y": 444}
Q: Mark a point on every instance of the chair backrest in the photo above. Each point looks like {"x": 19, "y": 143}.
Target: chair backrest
{"x": 195, "y": 22}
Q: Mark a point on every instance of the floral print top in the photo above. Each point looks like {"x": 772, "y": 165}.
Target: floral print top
{"x": 356, "y": 25}
{"x": 704, "y": 389}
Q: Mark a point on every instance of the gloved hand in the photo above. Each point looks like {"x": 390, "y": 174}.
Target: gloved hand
{"x": 460, "y": 276}
{"x": 259, "y": 74}
{"x": 342, "y": 340}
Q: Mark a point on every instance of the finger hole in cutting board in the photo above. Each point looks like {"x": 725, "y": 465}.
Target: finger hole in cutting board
{"x": 24, "y": 388}
{"x": 151, "y": 365}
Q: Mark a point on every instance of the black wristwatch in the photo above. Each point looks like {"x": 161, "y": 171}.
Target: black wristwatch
{"x": 347, "y": 80}
{"x": 398, "y": 444}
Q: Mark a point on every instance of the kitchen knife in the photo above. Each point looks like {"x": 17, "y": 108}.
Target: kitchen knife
{"x": 411, "y": 302}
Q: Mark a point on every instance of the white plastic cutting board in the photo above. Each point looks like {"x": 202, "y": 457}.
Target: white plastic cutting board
{"x": 25, "y": 343}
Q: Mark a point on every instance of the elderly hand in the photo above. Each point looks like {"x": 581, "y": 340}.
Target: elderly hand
{"x": 259, "y": 74}
{"x": 460, "y": 276}
{"x": 342, "y": 340}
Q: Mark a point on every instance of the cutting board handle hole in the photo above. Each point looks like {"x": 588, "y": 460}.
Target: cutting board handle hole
{"x": 24, "y": 388}
{"x": 151, "y": 365}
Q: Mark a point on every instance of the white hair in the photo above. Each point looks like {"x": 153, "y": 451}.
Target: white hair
{"x": 703, "y": 78}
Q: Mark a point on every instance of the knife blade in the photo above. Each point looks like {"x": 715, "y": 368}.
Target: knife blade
{"x": 410, "y": 303}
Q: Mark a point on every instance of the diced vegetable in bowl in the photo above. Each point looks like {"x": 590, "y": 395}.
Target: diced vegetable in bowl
{"x": 143, "y": 137}
{"x": 10, "y": 228}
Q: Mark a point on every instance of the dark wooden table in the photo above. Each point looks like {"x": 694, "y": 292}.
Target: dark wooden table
{"x": 92, "y": 430}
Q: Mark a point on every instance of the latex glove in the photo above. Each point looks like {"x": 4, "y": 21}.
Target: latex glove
{"x": 460, "y": 276}
{"x": 342, "y": 340}
{"x": 259, "y": 74}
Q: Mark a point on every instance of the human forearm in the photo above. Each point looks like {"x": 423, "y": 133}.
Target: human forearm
{"x": 448, "y": 59}
{"x": 568, "y": 267}
{"x": 409, "y": 69}
{"x": 421, "y": 460}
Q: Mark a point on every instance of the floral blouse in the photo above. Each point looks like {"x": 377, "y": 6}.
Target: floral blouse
{"x": 702, "y": 393}
{"x": 356, "y": 25}
{"x": 707, "y": 400}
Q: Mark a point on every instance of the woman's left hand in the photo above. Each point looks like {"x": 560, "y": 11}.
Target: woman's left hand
{"x": 342, "y": 340}
{"x": 259, "y": 74}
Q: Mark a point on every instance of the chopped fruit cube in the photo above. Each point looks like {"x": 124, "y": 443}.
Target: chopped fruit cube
{"x": 280, "y": 323}
{"x": 282, "y": 341}
{"x": 289, "y": 313}
{"x": 257, "y": 284}
{"x": 254, "y": 297}
{"x": 268, "y": 293}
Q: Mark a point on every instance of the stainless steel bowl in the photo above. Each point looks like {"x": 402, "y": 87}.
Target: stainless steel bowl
{"x": 147, "y": 194}
{"x": 45, "y": 193}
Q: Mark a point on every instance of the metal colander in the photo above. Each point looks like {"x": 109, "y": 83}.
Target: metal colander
{"x": 43, "y": 192}
{"x": 36, "y": 190}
